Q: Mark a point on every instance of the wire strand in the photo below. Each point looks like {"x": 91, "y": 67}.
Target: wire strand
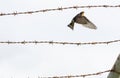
{"x": 55, "y": 42}
{"x": 60, "y": 9}
{"x": 83, "y": 75}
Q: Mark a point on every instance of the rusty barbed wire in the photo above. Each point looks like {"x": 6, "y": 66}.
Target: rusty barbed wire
{"x": 83, "y": 75}
{"x": 54, "y": 42}
{"x": 59, "y": 8}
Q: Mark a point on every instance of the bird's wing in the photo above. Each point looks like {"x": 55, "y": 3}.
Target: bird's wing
{"x": 89, "y": 24}
{"x": 80, "y": 19}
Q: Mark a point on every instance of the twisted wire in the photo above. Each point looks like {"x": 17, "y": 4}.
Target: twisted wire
{"x": 59, "y": 9}
{"x": 55, "y": 42}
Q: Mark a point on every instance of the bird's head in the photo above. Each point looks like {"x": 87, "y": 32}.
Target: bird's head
{"x": 82, "y": 13}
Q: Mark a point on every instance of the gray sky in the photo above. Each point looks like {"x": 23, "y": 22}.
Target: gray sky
{"x": 21, "y": 61}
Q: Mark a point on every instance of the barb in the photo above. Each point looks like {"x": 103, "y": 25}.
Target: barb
{"x": 60, "y": 9}
{"x": 84, "y": 75}
{"x": 53, "y": 42}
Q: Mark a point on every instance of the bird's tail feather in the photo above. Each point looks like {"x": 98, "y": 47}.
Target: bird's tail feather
{"x": 71, "y": 25}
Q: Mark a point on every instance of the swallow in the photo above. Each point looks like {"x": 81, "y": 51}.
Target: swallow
{"x": 81, "y": 19}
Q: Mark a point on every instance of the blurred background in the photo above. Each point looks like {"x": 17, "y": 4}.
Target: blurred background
{"x": 39, "y": 60}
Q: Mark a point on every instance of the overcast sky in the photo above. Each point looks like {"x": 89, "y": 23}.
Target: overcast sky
{"x": 30, "y": 60}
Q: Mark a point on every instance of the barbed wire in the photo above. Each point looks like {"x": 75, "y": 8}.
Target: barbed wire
{"x": 54, "y": 42}
{"x": 83, "y": 75}
{"x": 59, "y": 8}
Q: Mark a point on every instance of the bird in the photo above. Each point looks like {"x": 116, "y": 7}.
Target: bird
{"x": 83, "y": 20}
